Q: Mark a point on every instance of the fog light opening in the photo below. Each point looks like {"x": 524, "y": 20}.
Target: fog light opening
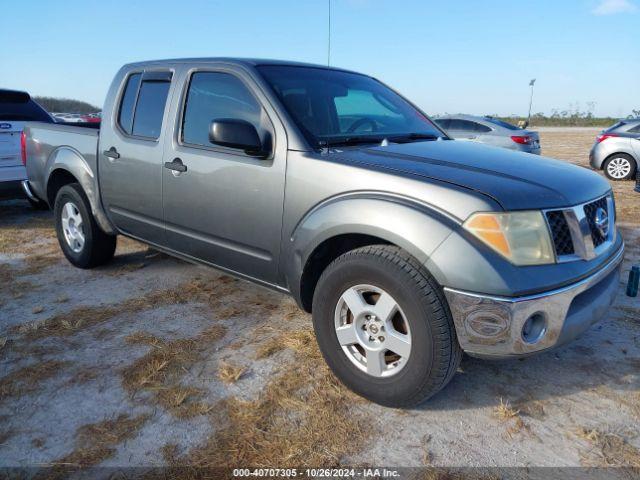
{"x": 534, "y": 328}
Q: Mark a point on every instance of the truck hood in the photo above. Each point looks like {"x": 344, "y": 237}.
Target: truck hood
{"x": 516, "y": 180}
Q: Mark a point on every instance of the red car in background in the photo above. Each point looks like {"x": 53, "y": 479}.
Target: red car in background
{"x": 91, "y": 118}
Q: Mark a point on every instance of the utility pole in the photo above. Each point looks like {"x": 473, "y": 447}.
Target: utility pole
{"x": 329, "y": 37}
{"x": 531, "y": 84}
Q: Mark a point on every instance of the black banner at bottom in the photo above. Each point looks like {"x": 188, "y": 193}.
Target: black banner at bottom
{"x": 305, "y": 473}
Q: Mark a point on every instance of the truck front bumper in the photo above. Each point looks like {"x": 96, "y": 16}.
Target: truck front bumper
{"x": 502, "y": 327}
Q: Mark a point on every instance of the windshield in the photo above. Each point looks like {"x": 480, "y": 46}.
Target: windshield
{"x": 333, "y": 107}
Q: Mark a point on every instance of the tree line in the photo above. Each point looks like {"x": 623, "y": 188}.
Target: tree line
{"x": 66, "y": 105}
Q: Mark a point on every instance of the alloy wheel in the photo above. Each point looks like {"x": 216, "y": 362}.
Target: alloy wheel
{"x": 619, "y": 168}
{"x": 73, "y": 227}
{"x": 372, "y": 330}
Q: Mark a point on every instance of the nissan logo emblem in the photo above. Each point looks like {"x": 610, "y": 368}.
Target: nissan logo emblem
{"x": 601, "y": 221}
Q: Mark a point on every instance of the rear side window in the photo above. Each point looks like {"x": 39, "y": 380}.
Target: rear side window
{"x": 443, "y": 123}
{"x": 635, "y": 129}
{"x": 214, "y": 95}
{"x": 467, "y": 126}
{"x": 501, "y": 123}
{"x": 19, "y": 107}
{"x": 143, "y": 103}
{"x": 125, "y": 118}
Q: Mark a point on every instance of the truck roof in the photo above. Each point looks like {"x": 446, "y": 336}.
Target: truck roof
{"x": 251, "y": 62}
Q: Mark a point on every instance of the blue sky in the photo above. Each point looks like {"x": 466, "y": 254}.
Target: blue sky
{"x": 457, "y": 56}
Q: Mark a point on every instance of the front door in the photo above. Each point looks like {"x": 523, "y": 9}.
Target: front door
{"x": 131, "y": 153}
{"x": 225, "y": 208}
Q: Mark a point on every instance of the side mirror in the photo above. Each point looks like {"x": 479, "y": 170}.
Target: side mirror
{"x": 235, "y": 133}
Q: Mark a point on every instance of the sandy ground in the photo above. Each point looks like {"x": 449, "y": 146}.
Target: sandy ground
{"x": 150, "y": 361}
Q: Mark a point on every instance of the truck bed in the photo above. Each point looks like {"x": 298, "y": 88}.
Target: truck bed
{"x": 48, "y": 142}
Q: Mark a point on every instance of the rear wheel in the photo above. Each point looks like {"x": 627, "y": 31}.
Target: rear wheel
{"x": 384, "y": 327}
{"x": 620, "y": 167}
{"x": 83, "y": 243}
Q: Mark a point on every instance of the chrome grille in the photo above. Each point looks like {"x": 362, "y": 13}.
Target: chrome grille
{"x": 574, "y": 231}
{"x": 590, "y": 210}
{"x": 560, "y": 233}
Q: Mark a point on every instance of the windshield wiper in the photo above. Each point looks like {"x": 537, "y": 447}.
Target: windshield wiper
{"x": 363, "y": 139}
{"x": 359, "y": 140}
{"x": 412, "y": 136}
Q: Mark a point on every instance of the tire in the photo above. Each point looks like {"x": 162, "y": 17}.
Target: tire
{"x": 96, "y": 247}
{"x": 434, "y": 353}
{"x": 620, "y": 166}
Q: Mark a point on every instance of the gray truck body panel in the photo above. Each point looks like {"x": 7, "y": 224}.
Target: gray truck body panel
{"x": 262, "y": 219}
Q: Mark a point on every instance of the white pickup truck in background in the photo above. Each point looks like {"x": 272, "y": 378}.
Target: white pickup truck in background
{"x": 16, "y": 108}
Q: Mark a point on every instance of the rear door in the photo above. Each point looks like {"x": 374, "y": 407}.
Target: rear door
{"x": 226, "y": 208}
{"x": 130, "y": 155}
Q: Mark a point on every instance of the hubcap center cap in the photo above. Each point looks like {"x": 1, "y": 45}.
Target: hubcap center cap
{"x": 373, "y": 331}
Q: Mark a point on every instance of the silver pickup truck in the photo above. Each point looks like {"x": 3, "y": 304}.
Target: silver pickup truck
{"x": 407, "y": 247}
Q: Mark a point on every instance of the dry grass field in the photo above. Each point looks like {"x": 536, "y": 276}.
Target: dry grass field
{"x": 150, "y": 361}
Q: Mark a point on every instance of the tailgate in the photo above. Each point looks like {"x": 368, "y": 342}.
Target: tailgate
{"x": 10, "y": 143}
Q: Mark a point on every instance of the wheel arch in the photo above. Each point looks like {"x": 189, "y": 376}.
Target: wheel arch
{"x": 338, "y": 226}
{"x": 66, "y": 165}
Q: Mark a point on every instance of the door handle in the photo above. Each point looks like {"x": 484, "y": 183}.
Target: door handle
{"x": 111, "y": 153}
{"x": 176, "y": 165}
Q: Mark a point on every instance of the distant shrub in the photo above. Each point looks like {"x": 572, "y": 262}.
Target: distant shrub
{"x": 541, "y": 120}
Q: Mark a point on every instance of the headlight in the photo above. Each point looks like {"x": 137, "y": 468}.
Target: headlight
{"x": 521, "y": 237}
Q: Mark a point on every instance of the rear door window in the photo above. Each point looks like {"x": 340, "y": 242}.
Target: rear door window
{"x": 462, "y": 125}
{"x": 147, "y": 119}
{"x": 635, "y": 129}
{"x": 501, "y": 123}
{"x": 468, "y": 126}
{"x": 143, "y": 104}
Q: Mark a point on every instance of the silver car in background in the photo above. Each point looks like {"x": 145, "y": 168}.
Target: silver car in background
{"x": 617, "y": 150}
{"x": 491, "y": 131}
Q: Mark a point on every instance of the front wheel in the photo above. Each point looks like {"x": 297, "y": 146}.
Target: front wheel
{"x": 620, "y": 167}
{"x": 82, "y": 241}
{"x": 384, "y": 327}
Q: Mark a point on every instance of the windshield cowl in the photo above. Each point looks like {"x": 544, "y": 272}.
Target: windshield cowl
{"x": 379, "y": 140}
